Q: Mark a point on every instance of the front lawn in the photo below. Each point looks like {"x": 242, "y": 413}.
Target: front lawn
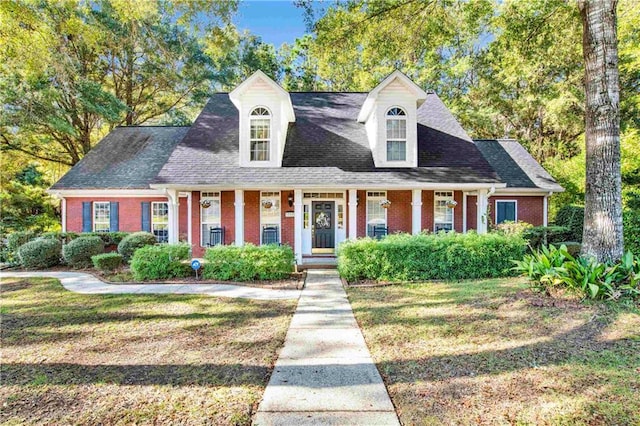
{"x": 491, "y": 352}
{"x": 132, "y": 359}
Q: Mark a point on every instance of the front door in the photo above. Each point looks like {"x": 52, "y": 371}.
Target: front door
{"x": 323, "y": 226}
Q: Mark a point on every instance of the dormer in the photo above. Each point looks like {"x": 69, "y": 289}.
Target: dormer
{"x": 265, "y": 111}
{"x": 390, "y": 116}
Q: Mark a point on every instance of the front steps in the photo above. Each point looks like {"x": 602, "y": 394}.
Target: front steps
{"x": 318, "y": 262}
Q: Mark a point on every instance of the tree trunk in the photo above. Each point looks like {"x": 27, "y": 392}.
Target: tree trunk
{"x": 602, "y": 236}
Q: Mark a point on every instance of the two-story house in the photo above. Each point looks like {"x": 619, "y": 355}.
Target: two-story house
{"x": 309, "y": 169}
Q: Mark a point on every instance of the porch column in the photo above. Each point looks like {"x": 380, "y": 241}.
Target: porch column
{"x": 63, "y": 213}
{"x": 353, "y": 214}
{"x": 416, "y": 211}
{"x": 172, "y": 199}
{"x": 189, "y": 216}
{"x": 239, "y": 205}
{"x": 482, "y": 219}
{"x": 464, "y": 212}
{"x": 297, "y": 224}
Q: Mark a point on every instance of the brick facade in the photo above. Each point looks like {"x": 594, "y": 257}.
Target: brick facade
{"x": 399, "y": 212}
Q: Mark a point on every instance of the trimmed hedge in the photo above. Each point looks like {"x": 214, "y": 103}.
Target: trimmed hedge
{"x": 78, "y": 252}
{"x": 132, "y": 242}
{"x": 40, "y": 253}
{"x": 109, "y": 238}
{"x": 248, "y": 263}
{"x": 107, "y": 262}
{"x": 447, "y": 256}
{"x": 571, "y": 217}
{"x": 17, "y": 239}
{"x": 540, "y": 236}
{"x": 161, "y": 261}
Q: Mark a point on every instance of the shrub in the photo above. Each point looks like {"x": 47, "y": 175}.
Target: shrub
{"x": 451, "y": 256}
{"x": 132, "y": 242}
{"x": 160, "y": 261}
{"x": 17, "y": 239}
{"x": 78, "y": 252}
{"x": 572, "y": 247}
{"x": 631, "y": 219}
{"x": 63, "y": 237}
{"x": 107, "y": 262}
{"x": 40, "y": 253}
{"x": 510, "y": 228}
{"x": 249, "y": 262}
{"x": 571, "y": 217}
{"x": 555, "y": 267}
{"x": 539, "y": 236}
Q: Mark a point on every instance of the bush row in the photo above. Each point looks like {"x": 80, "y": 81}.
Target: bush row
{"x": 161, "y": 261}
{"x": 550, "y": 268}
{"x": 404, "y": 257}
{"x": 248, "y": 263}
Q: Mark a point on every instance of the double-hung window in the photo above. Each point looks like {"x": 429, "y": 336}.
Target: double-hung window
{"x": 443, "y": 215}
{"x": 376, "y": 214}
{"x": 260, "y": 134}
{"x": 506, "y": 211}
{"x": 160, "y": 221}
{"x": 396, "y": 134}
{"x": 101, "y": 216}
{"x": 209, "y": 215}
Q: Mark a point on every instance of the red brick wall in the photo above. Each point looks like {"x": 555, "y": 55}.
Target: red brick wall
{"x": 129, "y": 212}
{"x": 427, "y": 210}
{"x": 399, "y": 212}
{"x": 196, "y": 249}
{"x": 252, "y": 217}
{"x": 362, "y": 213}
{"x": 183, "y": 219}
{"x": 228, "y": 215}
{"x": 530, "y": 209}
{"x": 472, "y": 209}
{"x": 288, "y": 233}
{"x": 457, "y": 211}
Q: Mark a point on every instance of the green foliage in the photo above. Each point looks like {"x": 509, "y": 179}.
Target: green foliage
{"x": 63, "y": 237}
{"x": 248, "y": 263}
{"x": 540, "y": 236}
{"x": 631, "y": 221}
{"x": 571, "y": 217}
{"x": 162, "y": 261}
{"x": 555, "y": 268}
{"x": 449, "y": 256}
{"x": 107, "y": 262}
{"x": 40, "y": 253}
{"x": 511, "y": 228}
{"x": 16, "y": 239}
{"x": 78, "y": 252}
{"x": 134, "y": 241}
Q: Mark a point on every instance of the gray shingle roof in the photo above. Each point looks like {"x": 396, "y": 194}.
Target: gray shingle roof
{"x": 325, "y": 146}
{"x": 515, "y": 166}
{"x": 128, "y": 157}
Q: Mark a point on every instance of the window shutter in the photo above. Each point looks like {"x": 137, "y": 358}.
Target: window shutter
{"x": 87, "y": 225}
{"x": 113, "y": 217}
{"x": 146, "y": 216}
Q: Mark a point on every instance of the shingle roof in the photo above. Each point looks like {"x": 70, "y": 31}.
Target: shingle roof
{"x": 128, "y": 157}
{"x": 515, "y": 166}
{"x": 325, "y": 146}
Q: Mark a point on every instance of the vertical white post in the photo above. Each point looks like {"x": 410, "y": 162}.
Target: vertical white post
{"x": 63, "y": 213}
{"x": 172, "y": 199}
{"x": 189, "y": 217}
{"x": 239, "y": 205}
{"x": 545, "y": 209}
{"x": 353, "y": 214}
{"x": 482, "y": 218}
{"x": 416, "y": 211}
{"x": 297, "y": 224}
{"x": 464, "y": 212}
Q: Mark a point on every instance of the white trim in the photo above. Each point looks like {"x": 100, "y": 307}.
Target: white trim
{"x": 524, "y": 191}
{"x": 235, "y": 94}
{"x": 545, "y": 209}
{"x": 366, "y": 207}
{"x": 172, "y": 196}
{"x": 495, "y": 216}
{"x": 239, "y": 216}
{"x": 93, "y": 215}
{"x": 250, "y": 118}
{"x": 118, "y": 193}
{"x": 353, "y": 214}
{"x": 63, "y": 213}
{"x": 447, "y": 186}
{"x": 277, "y": 198}
{"x": 481, "y": 211}
{"x": 297, "y": 224}
{"x": 189, "y": 218}
{"x": 214, "y": 197}
{"x": 416, "y": 211}
{"x": 400, "y": 118}
{"x": 464, "y": 212}
{"x": 453, "y": 216}
{"x": 158, "y": 202}
{"x": 369, "y": 102}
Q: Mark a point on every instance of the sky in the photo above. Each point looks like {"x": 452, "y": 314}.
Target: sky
{"x": 276, "y": 21}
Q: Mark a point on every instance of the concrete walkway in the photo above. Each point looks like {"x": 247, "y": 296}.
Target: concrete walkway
{"x": 325, "y": 374}
{"x": 79, "y": 282}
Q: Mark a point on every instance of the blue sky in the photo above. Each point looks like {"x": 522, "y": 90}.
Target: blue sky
{"x": 276, "y": 21}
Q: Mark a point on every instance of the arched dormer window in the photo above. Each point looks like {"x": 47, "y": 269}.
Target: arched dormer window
{"x": 260, "y": 134}
{"x": 396, "y": 134}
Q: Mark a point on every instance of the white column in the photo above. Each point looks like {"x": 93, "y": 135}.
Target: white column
{"x": 482, "y": 218}
{"x": 545, "y": 210}
{"x": 189, "y": 217}
{"x": 239, "y": 205}
{"x": 297, "y": 224}
{"x": 416, "y": 211}
{"x": 63, "y": 213}
{"x": 353, "y": 214}
{"x": 464, "y": 212}
{"x": 172, "y": 201}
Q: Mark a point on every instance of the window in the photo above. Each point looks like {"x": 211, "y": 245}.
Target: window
{"x": 260, "y": 134}
{"x": 396, "y": 135}
{"x": 443, "y": 215}
{"x": 376, "y": 214}
{"x": 506, "y": 210}
{"x": 210, "y": 216}
{"x": 160, "y": 221}
{"x": 270, "y": 217}
{"x": 101, "y": 216}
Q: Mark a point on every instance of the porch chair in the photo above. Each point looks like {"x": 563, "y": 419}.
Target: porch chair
{"x": 380, "y": 231}
{"x": 216, "y": 236}
{"x": 270, "y": 235}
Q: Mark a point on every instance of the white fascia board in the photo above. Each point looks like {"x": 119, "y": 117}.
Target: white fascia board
{"x": 236, "y": 93}
{"x": 336, "y": 187}
{"x": 119, "y": 193}
{"x": 370, "y": 101}
{"x": 524, "y": 191}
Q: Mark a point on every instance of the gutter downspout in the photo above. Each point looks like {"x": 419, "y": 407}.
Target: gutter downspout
{"x": 545, "y": 209}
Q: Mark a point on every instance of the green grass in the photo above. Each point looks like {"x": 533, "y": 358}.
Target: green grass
{"x": 492, "y": 352}
{"x": 133, "y": 359}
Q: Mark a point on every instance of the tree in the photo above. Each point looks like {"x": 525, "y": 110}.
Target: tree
{"x": 603, "y": 231}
